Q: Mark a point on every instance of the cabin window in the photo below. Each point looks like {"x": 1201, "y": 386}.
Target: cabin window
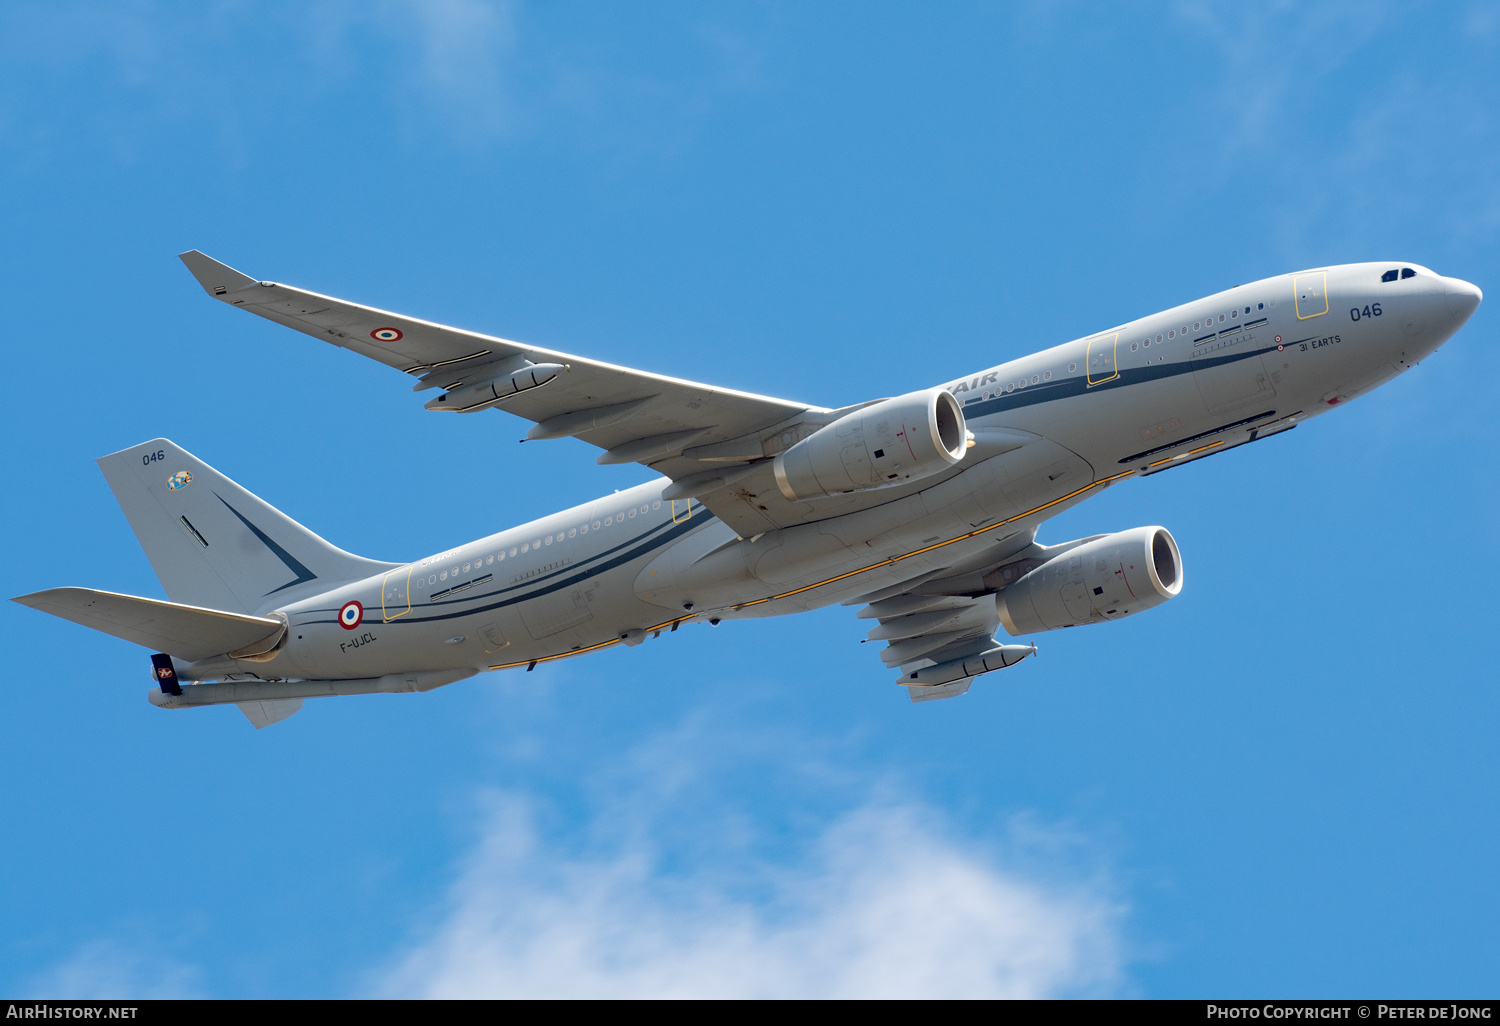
{"x": 512, "y": 550}
{"x": 1136, "y": 345}
{"x": 572, "y": 532}
{"x": 1072, "y": 367}
{"x": 656, "y": 504}
{"x": 596, "y": 525}
{"x": 1047, "y": 376}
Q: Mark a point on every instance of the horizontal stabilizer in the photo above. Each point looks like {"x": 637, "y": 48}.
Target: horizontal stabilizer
{"x": 187, "y": 632}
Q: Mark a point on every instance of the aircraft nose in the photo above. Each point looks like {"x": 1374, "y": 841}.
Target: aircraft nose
{"x": 1463, "y": 298}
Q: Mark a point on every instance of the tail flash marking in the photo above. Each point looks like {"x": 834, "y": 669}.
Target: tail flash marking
{"x": 303, "y": 573}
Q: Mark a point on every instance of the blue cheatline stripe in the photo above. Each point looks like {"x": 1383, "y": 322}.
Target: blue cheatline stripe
{"x": 1050, "y": 391}
{"x": 637, "y": 547}
{"x": 572, "y": 568}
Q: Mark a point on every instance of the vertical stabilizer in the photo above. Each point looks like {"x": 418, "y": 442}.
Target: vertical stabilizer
{"x": 214, "y": 544}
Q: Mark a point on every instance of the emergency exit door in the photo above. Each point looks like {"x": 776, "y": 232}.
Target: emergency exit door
{"x": 395, "y": 594}
{"x": 1102, "y": 365}
{"x": 1311, "y": 294}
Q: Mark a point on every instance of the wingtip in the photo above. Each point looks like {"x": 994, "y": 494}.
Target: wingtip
{"x": 217, "y": 278}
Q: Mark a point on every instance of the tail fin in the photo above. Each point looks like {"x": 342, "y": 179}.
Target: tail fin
{"x": 212, "y": 543}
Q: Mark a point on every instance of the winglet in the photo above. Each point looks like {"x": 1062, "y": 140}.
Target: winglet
{"x": 216, "y": 278}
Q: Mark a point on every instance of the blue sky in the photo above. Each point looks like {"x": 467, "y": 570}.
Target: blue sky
{"x": 1285, "y": 782}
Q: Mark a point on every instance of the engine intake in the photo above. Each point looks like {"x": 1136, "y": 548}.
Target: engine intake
{"x": 891, "y": 442}
{"x": 1104, "y": 579}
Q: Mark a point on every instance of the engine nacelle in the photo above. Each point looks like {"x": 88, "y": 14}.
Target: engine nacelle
{"x": 1105, "y": 579}
{"x": 896, "y": 440}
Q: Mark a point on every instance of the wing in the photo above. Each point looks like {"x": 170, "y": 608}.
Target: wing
{"x": 714, "y": 443}
{"x": 939, "y": 628}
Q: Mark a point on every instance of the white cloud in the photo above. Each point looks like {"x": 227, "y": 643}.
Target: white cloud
{"x": 102, "y": 970}
{"x": 884, "y": 904}
{"x": 464, "y": 48}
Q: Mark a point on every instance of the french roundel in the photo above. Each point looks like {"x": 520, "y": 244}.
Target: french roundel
{"x": 351, "y": 616}
{"x": 386, "y": 335}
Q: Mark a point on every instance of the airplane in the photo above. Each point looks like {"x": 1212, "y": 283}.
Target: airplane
{"x": 922, "y": 509}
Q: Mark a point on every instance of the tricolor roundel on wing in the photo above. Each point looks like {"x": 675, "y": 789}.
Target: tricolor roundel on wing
{"x": 386, "y": 335}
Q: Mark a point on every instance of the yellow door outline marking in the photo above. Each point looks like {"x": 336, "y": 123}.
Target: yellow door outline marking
{"x": 1114, "y": 362}
{"x": 852, "y": 573}
{"x": 687, "y": 511}
{"x": 385, "y": 611}
{"x": 1297, "y": 295}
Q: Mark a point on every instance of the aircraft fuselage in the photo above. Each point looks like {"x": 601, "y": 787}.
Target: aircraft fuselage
{"x": 1050, "y": 429}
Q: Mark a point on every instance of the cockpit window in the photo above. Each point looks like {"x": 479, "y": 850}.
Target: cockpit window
{"x": 1389, "y": 275}
{"x": 1407, "y": 272}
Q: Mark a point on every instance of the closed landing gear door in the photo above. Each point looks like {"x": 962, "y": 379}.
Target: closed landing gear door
{"x": 1228, "y": 382}
{"x": 1228, "y": 367}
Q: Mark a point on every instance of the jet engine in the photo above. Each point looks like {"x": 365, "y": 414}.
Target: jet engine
{"x": 1104, "y": 579}
{"x": 890, "y": 442}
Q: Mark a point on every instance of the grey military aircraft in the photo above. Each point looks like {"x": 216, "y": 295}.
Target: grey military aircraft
{"x": 922, "y": 509}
